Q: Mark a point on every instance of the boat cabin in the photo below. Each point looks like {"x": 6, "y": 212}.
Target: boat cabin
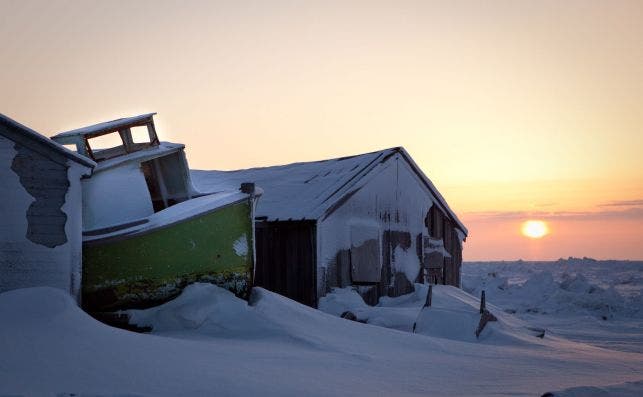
{"x": 136, "y": 176}
{"x": 147, "y": 233}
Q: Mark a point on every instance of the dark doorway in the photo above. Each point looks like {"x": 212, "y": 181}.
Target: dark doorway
{"x": 286, "y": 259}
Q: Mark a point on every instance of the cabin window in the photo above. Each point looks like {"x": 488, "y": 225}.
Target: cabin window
{"x": 140, "y": 134}
{"x": 71, "y": 146}
{"x": 166, "y": 181}
{"x": 107, "y": 141}
{"x": 106, "y": 146}
{"x": 366, "y": 266}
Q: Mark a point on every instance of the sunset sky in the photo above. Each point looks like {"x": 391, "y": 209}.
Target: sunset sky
{"x": 516, "y": 110}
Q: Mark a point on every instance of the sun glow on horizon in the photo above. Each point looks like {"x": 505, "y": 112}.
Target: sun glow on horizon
{"x": 534, "y": 229}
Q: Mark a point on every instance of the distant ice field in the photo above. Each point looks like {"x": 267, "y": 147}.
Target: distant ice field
{"x": 582, "y": 299}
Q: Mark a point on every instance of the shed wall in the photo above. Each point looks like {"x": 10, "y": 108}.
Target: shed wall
{"x": 40, "y": 236}
{"x": 395, "y": 201}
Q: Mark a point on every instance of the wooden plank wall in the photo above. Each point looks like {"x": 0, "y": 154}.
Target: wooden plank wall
{"x": 286, "y": 259}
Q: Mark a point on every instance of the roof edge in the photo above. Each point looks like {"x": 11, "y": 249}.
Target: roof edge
{"x": 28, "y": 132}
{"x": 432, "y": 188}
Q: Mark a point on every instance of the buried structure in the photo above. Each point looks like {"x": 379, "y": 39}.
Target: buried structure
{"x": 147, "y": 232}
{"x": 373, "y": 221}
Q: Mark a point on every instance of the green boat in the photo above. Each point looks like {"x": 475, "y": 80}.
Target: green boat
{"x": 147, "y": 232}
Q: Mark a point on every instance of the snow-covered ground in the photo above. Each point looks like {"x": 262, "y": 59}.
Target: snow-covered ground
{"x": 596, "y": 302}
{"x": 207, "y": 342}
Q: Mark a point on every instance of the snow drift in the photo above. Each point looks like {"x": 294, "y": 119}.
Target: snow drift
{"x": 207, "y": 342}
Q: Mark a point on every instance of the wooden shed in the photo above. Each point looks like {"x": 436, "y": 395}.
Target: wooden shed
{"x": 41, "y": 210}
{"x": 373, "y": 221}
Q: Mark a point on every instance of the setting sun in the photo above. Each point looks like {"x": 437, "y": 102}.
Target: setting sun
{"x": 534, "y": 229}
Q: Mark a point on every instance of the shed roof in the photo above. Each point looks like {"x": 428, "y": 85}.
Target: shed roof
{"x": 108, "y": 126}
{"x": 307, "y": 190}
{"x": 16, "y": 131}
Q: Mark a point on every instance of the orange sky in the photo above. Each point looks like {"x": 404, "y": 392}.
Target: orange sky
{"x": 514, "y": 109}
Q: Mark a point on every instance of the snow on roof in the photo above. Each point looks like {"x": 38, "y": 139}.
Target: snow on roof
{"x": 175, "y": 214}
{"x": 33, "y": 135}
{"x": 163, "y": 149}
{"x": 108, "y": 126}
{"x": 307, "y": 190}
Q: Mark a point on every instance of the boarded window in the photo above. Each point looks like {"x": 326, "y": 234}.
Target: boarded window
{"x": 366, "y": 266}
{"x": 435, "y": 220}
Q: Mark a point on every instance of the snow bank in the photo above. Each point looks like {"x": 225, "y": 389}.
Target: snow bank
{"x": 540, "y": 292}
{"x": 212, "y": 343}
{"x": 590, "y": 301}
{"x": 454, "y": 315}
{"x": 199, "y": 307}
{"x": 629, "y": 389}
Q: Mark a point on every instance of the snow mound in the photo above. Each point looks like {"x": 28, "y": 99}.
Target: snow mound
{"x": 200, "y": 306}
{"x": 541, "y": 293}
{"x": 342, "y": 300}
{"x": 454, "y": 315}
{"x": 34, "y": 305}
{"x": 628, "y": 389}
{"x": 205, "y": 310}
{"x": 216, "y": 344}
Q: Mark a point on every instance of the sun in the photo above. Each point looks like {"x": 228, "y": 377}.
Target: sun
{"x": 534, "y": 229}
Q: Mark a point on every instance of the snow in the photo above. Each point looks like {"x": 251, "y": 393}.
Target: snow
{"x": 598, "y": 302}
{"x": 307, "y": 190}
{"x": 295, "y": 191}
{"x": 180, "y": 212}
{"x": 152, "y": 152}
{"x": 107, "y": 125}
{"x": 87, "y": 162}
{"x": 628, "y": 389}
{"x": 240, "y": 245}
{"x": 207, "y": 342}
{"x": 407, "y": 262}
{"x": 115, "y": 197}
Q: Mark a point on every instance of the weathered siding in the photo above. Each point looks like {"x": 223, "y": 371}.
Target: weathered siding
{"x": 40, "y": 233}
{"x": 395, "y": 200}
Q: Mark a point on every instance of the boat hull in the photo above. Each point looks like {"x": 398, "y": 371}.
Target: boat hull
{"x": 145, "y": 269}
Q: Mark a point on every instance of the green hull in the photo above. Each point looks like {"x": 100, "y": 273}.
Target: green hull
{"x": 145, "y": 269}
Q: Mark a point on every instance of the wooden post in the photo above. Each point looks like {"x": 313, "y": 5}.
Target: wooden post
{"x": 482, "y": 303}
{"x": 429, "y": 296}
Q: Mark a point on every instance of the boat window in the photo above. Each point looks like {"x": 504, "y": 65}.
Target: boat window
{"x": 106, "y": 146}
{"x": 140, "y": 134}
{"x": 70, "y": 146}
{"x": 106, "y": 141}
{"x": 166, "y": 179}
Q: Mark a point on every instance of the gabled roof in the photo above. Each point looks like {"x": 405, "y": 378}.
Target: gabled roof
{"x": 108, "y": 126}
{"x": 20, "y": 133}
{"x": 308, "y": 190}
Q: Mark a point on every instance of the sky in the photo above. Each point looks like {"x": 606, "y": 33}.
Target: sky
{"x": 516, "y": 110}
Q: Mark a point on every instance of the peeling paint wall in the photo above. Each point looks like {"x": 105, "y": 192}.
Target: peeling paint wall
{"x": 40, "y": 232}
{"x": 46, "y": 181}
{"x": 394, "y": 200}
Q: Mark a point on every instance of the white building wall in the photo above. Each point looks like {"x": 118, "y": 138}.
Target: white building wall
{"x": 27, "y": 264}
